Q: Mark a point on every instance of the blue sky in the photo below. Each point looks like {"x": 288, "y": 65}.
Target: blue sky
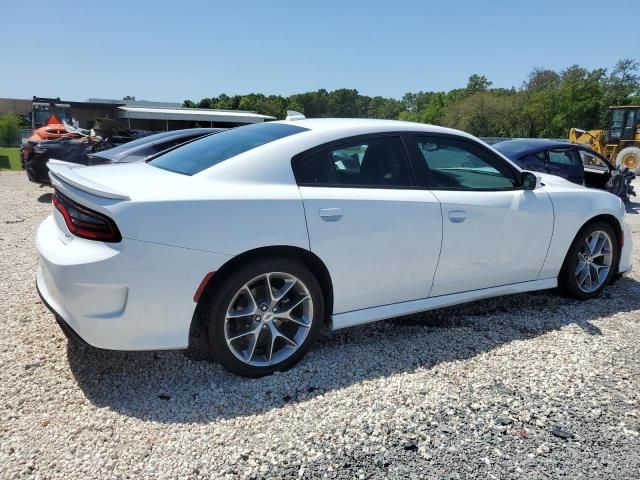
{"x": 170, "y": 51}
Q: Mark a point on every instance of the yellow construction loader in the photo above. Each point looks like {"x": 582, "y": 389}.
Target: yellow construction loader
{"x": 619, "y": 142}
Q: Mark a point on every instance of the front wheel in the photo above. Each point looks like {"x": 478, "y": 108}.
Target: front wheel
{"x": 264, "y": 318}
{"x": 629, "y": 157}
{"x": 590, "y": 262}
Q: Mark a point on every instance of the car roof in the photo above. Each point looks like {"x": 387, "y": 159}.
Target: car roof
{"x": 126, "y": 149}
{"x": 271, "y": 162}
{"x": 368, "y": 124}
{"x": 524, "y": 146}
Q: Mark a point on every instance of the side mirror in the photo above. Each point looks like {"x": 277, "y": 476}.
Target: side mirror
{"x": 531, "y": 181}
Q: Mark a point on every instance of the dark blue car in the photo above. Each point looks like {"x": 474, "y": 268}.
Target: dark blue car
{"x": 546, "y": 156}
{"x": 575, "y": 162}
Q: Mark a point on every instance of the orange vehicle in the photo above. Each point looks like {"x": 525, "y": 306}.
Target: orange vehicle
{"x": 48, "y": 116}
{"x": 51, "y": 132}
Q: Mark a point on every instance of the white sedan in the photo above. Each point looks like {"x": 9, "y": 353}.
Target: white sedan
{"x": 244, "y": 245}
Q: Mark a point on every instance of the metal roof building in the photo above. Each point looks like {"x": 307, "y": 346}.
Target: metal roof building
{"x": 139, "y": 116}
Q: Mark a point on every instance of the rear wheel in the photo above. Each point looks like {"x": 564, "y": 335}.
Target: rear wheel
{"x": 590, "y": 262}
{"x": 264, "y": 318}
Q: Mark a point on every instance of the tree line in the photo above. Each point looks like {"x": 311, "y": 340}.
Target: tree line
{"x": 547, "y": 104}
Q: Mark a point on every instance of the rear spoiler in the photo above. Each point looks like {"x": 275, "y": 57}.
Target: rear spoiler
{"x": 59, "y": 173}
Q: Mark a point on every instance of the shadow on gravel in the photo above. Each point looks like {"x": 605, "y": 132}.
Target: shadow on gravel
{"x": 632, "y": 207}
{"x": 45, "y": 198}
{"x": 168, "y": 387}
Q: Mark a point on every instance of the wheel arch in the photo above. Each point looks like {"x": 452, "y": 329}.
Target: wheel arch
{"x": 610, "y": 220}
{"x": 308, "y": 258}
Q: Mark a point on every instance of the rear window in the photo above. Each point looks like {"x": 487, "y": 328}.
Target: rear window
{"x": 208, "y": 151}
{"x": 512, "y": 148}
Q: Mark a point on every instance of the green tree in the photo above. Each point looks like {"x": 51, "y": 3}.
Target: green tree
{"x": 487, "y": 114}
{"x": 9, "y": 129}
{"x": 432, "y": 111}
{"x": 380, "y": 107}
{"x": 623, "y": 84}
{"x": 205, "y": 103}
{"x": 341, "y": 103}
{"x": 314, "y": 104}
{"x": 478, "y": 83}
{"x": 415, "y": 102}
{"x": 581, "y": 99}
{"x": 547, "y": 103}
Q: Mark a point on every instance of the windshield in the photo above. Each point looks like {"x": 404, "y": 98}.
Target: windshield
{"x": 615, "y": 123}
{"x": 208, "y": 151}
{"x": 43, "y": 113}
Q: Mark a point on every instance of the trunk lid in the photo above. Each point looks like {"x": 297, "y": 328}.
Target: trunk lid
{"x": 132, "y": 195}
{"x": 132, "y": 181}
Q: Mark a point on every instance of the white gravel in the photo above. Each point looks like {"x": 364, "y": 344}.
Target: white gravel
{"x": 469, "y": 392}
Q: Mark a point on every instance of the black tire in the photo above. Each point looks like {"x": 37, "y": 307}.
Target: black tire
{"x": 567, "y": 279}
{"x": 629, "y": 157}
{"x": 214, "y": 305}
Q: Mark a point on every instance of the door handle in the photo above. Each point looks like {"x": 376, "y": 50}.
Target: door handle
{"x": 330, "y": 214}
{"x": 457, "y": 216}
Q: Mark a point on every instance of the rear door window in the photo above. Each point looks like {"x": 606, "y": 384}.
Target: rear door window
{"x": 371, "y": 162}
{"x": 564, "y": 157}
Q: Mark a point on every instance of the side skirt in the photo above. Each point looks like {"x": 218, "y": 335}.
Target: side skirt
{"x": 358, "y": 317}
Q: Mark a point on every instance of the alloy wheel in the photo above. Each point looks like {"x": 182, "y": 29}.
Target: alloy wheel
{"x": 268, "y": 319}
{"x": 594, "y": 261}
{"x": 631, "y": 161}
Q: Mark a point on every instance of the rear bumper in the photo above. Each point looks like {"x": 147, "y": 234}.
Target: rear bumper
{"x": 130, "y": 295}
{"x": 69, "y": 332}
{"x": 37, "y": 170}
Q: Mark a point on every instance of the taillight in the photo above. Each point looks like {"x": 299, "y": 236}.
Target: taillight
{"x": 85, "y": 223}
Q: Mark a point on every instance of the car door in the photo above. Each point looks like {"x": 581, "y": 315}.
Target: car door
{"x": 566, "y": 163}
{"x": 597, "y": 169}
{"x": 494, "y": 232}
{"x": 534, "y": 162}
{"x": 377, "y": 232}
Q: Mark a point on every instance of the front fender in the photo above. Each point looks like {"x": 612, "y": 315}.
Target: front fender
{"x": 574, "y": 208}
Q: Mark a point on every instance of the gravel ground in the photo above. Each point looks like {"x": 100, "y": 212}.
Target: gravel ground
{"x": 529, "y": 386}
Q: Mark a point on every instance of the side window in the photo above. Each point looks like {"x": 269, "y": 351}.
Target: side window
{"x": 375, "y": 162}
{"x": 592, "y": 162}
{"x": 564, "y": 157}
{"x": 316, "y": 169}
{"x": 630, "y": 127}
{"x": 536, "y": 162}
{"x": 456, "y": 165}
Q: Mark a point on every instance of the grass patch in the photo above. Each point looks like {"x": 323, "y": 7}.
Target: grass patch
{"x": 10, "y": 159}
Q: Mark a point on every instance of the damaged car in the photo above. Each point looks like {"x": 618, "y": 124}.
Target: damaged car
{"x": 145, "y": 147}
{"x": 575, "y": 162}
{"x": 72, "y": 147}
{"x": 95, "y": 150}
